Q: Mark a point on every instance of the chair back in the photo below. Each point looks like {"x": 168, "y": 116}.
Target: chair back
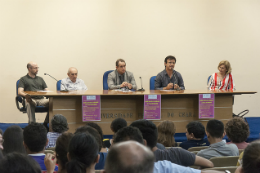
{"x": 20, "y": 99}
{"x": 241, "y": 151}
{"x": 197, "y": 148}
{"x": 58, "y": 85}
{"x": 152, "y": 81}
{"x": 105, "y": 85}
{"x": 224, "y": 161}
{"x": 232, "y": 169}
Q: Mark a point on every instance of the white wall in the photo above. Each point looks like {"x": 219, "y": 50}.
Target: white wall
{"x": 92, "y": 34}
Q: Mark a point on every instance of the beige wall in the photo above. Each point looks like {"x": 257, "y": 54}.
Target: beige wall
{"x": 92, "y": 34}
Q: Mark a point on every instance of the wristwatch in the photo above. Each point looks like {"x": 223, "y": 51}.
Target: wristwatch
{"x": 227, "y": 171}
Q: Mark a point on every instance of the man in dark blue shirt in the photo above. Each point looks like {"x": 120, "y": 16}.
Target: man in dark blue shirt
{"x": 169, "y": 79}
{"x": 195, "y": 133}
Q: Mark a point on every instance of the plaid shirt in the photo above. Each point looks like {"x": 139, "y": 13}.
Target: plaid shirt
{"x": 52, "y": 136}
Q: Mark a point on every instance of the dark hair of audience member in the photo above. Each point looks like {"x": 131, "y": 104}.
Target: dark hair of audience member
{"x": 251, "y": 158}
{"x": 148, "y": 130}
{"x": 196, "y": 128}
{"x": 98, "y": 129}
{"x": 93, "y": 132}
{"x": 13, "y": 140}
{"x": 35, "y": 137}
{"x": 1, "y": 155}
{"x": 237, "y": 130}
{"x": 83, "y": 152}
{"x": 62, "y": 148}
{"x": 1, "y": 131}
{"x": 118, "y": 124}
{"x": 17, "y": 162}
{"x": 166, "y": 131}
{"x": 215, "y": 128}
{"x": 59, "y": 123}
{"x": 128, "y": 133}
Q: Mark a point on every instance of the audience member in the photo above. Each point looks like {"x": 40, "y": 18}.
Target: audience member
{"x": 237, "y": 132}
{"x": 134, "y": 134}
{"x": 166, "y": 131}
{"x": 17, "y": 163}
{"x": 35, "y": 140}
{"x": 175, "y": 155}
{"x": 61, "y": 151}
{"x": 195, "y": 133}
{"x": 104, "y": 149}
{"x": 129, "y": 157}
{"x": 251, "y": 159}
{"x": 218, "y": 147}
{"x": 13, "y": 140}
{"x": 102, "y": 156}
{"x": 58, "y": 126}
{"x": 116, "y": 124}
{"x": 83, "y": 154}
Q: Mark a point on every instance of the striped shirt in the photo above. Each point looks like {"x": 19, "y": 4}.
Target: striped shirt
{"x": 52, "y": 136}
{"x": 227, "y": 83}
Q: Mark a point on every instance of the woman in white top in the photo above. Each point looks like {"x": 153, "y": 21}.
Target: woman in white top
{"x": 222, "y": 80}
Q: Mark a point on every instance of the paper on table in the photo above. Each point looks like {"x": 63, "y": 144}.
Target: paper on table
{"x": 44, "y": 91}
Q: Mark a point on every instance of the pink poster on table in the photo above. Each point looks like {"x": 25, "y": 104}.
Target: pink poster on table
{"x": 206, "y": 105}
{"x": 152, "y": 107}
{"x": 91, "y": 108}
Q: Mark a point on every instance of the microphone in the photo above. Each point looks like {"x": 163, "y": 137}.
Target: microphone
{"x": 57, "y": 81}
{"x": 176, "y": 81}
{"x": 142, "y": 89}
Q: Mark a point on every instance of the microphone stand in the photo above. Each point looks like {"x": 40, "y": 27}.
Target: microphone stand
{"x": 58, "y": 81}
{"x": 142, "y": 89}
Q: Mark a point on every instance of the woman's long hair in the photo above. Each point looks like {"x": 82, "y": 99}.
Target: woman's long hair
{"x": 83, "y": 151}
{"x": 166, "y": 131}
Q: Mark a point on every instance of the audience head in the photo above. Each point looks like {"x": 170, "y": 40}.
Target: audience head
{"x": 237, "y": 130}
{"x": 13, "y": 140}
{"x": 129, "y": 157}
{"x": 35, "y": 137}
{"x": 17, "y": 162}
{"x": 148, "y": 130}
{"x": 59, "y": 123}
{"x": 195, "y": 130}
{"x": 73, "y": 74}
{"x": 98, "y": 129}
{"x": 166, "y": 131}
{"x": 215, "y": 129}
{"x": 225, "y": 65}
{"x": 128, "y": 133}
{"x": 93, "y": 132}
{"x": 83, "y": 153}
{"x": 251, "y": 158}
{"x": 120, "y": 66}
{"x": 118, "y": 124}
{"x": 62, "y": 148}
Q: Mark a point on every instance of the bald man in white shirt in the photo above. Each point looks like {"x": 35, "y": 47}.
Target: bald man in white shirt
{"x": 72, "y": 82}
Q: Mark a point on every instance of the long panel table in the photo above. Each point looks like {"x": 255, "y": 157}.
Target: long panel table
{"x": 181, "y": 107}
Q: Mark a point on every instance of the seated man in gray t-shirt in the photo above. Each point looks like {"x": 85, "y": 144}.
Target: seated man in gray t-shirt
{"x": 72, "y": 82}
{"x": 218, "y": 147}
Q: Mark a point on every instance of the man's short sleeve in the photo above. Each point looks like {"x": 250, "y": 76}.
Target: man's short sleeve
{"x": 185, "y": 157}
{"x": 21, "y": 83}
